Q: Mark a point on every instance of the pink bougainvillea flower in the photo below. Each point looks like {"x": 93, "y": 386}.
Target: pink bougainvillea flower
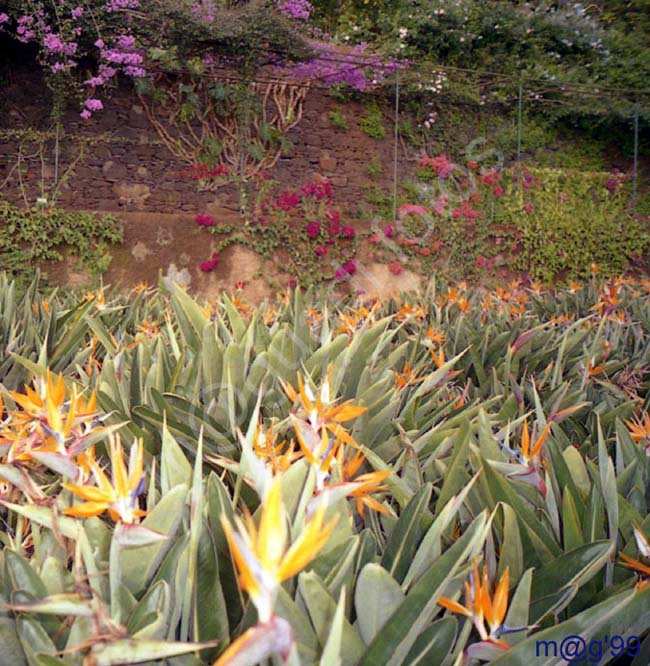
{"x": 348, "y": 268}
{"x": 321, "y": 251}
{"x": 389, "y": 231}
{"x": 312, "y": 229}
{"x": 498, "y": 191}
{"x": 440, "y": 204}
{"x": 333, "y": 216}
{"x": 288, "y": 200}
{"x": 490, "y": 178}
{"x": 210, "y": 264}
{"x": 466, "y": 211}
{"x": 480, "y": 261}
{"x": 333, "y": 228}
{"x": 348, "y": 232}
{"x": 472, "y": 165}
{"x": 411, "y": 209}
{"x": 440, "y": 165}
{"x": 425, "y": 251}
{"x": 292, "y": 283}
{"x": 374, "y": 238}
{"x": 318, "y": 190}
{"x": 395, "y": 268}
{"x": 94, "y": 104}
{"x": 85, "y": 114}
{"x": 205, "y": 221}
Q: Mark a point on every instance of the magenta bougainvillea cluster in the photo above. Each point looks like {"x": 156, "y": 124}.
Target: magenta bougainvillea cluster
{"x": 354, "y": 67}
{"x": 69, "y": 33}
{"x": 295, "y": 9}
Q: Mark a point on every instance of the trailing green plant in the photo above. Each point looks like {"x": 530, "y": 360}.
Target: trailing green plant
{"x": 338, "y": 121}
{"x": 374, "y": 168}
{"x": 372, "y": 123}
{"x": 568, "y": 220}
{"x": 29, "y": 237}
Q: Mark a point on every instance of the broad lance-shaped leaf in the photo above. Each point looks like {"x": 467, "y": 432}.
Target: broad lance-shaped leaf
{"x": 457, "y": 476}
{"x": 433, "y": 646}
{"x": 378, "y": 595}
{"x": 555, "y": 584}
{"x": 322, "y": 610}
{"x": 174, "y": 468}
{"x": 129, "y": 651}
{"x": 333, "y": 647}
{"x": 430, "y": 547}
{"x": 56, "y": 604}
{"x": 406, "y": 534}
{"x": 196, "y": 522}
{"x": 610, "y": 494}
{"x": 138, "y": 565}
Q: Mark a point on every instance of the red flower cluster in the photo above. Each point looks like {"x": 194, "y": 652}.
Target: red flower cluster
{"x": 312, "y": 229}
{"x": 467, "y": 212}
{"x": 319, "y": 190}
{"x": 205, "y": 221}
{"x": 333, "y": 228}
{"x": 483, "y": 262}
{"x": 205, "y": 171}
{"x": 411, "y": 209}
{"x": 210, "y": 264}
{"x": 615, "y": 181}
{"x": 490, "y": 177}
{"x": 348, "y": 268}
{"x": 440, "y": 165}
{"x": 395, "y": 268}
{"x": 288, "y": 200}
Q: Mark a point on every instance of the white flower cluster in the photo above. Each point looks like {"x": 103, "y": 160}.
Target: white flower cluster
{"x": 435, "y": 84}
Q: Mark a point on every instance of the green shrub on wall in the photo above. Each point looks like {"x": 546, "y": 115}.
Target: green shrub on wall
{"x": 29, "y": 236}
{"x": 567, "y": 220}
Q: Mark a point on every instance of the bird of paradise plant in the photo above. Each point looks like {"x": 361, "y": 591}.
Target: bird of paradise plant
{"x": 50, "y": 420}
{"x": 407, "y": 376}
{"x": 119, "y": 498}
{"x": 279, "y": 456}
{"x": 366, "y": 484}
{"x": 321, "y": 411}
{"x": 528, "y": 458}
{"x": 643, "y": 570}
{"x": 263, "y": 562}
{"x": 639, "y": 429}
{"x": 260, "y": 553}
{"x": 481, "y": 606}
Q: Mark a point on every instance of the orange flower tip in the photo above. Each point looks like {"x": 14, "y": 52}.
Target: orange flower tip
{"x": 454, "y": 606}
{"x": 497, "y": 642}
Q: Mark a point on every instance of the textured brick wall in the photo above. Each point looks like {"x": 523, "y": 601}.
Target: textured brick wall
{"x": 123, "y": 166}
